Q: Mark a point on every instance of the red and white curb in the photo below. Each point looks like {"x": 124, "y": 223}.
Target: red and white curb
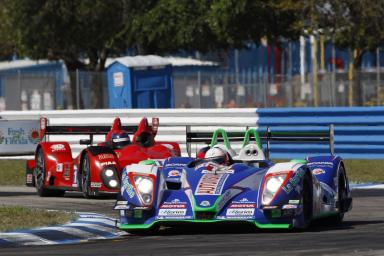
{"x": 89, "y": 226}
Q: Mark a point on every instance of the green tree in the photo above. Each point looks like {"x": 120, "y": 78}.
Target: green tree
{"x": 8, "y": 40}
{"x": 168, "y": 26}
{"x": 69, "y": 30}
{"x": 356, "y": 25}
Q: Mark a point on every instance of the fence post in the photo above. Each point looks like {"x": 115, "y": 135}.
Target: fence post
{"x": 77, "y": 90}
{"x": 333, "y": 82}
{"x": 378, "y": 76}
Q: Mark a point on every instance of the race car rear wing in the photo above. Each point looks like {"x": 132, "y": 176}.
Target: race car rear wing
{"x": 46, "y": 129}
{"x": 325, "y": 136}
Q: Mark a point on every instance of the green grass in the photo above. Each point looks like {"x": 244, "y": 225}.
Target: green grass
{"x": 364, "y": 170}
{"x": 17, "y": 217}
{"x": 12, "y": 172}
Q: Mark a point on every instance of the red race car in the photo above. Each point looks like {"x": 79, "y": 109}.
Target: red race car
{"x": 97, "y": 169}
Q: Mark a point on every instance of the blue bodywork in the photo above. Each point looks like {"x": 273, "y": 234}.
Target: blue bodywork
{"x": 203, "y": 190}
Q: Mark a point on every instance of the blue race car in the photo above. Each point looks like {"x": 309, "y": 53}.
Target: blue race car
{"x": 222, "y": 186}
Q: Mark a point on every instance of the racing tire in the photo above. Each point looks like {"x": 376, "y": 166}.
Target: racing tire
{"x": 86, "y": 178}
{"x": 337, "y": 219}
{"x": 307, "y": 199}
{"x": 39, "y": 177}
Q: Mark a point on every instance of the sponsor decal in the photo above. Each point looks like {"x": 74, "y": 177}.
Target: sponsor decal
{"x": 127, "y": 186}
{"x": 59, "y": 168}
{"x": 95, "y": 184}
{"x": 242, "y": 206}
{"x": 34, "y": 136}
{"x": 67, "y": 171}
{"x": 269, "y": 207}
{"x": 122, "y": 207}
{"x": 173, "y": 212}
{"x": 218, "y": 171}
{"x": 205, "y": 203}
{"x": 29, "y": 178}
{"x": 320, "y": 163}
{"x": 57, "y": 147}
{"x": 294, "y": 201}
{"x": 292, "y": 182}
{"x": 174, "y": 173}
{"x": 318, "y": 171}
{"x": 130, "y": 190}
{"x": 240, "y": 212}
{"x": 18, "y": 136}
{"x": 105, "y": 156}
{"x": 173, "y": 206}
{"x": 211, "y": 184}
{"x": 289, "y": 206}
{"x": 108, "y": 163}
{"x": 175, "y": 165}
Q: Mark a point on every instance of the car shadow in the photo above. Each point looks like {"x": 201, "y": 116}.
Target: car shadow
{"x": 200, "y": 229}
{"x": 16, "y": 193}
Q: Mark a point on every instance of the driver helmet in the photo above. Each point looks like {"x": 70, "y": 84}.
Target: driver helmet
{"x": 120, "y": 139}
{"x": 217, "y": 152}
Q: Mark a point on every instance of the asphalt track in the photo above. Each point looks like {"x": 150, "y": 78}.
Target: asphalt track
{"x": 362, "y": 233}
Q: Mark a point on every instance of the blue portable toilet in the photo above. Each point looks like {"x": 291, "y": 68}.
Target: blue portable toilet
{"x": 140, "y": 82}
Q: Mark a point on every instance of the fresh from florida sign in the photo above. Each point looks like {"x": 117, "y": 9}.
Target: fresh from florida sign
{"x": 18, "y": 137}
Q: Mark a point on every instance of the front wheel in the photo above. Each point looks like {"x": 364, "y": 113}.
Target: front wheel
{"x": 40, "y": 176}
{"x": 307, "y": 198}
{"x": 86, "y": 178}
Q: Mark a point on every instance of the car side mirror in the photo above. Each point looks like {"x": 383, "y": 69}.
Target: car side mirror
{"x": 85, "y": 142}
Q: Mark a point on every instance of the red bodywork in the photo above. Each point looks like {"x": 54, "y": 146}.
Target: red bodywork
{"x": 62, "y": 172}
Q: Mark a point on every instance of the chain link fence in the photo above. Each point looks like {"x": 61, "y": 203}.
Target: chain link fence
{"x": 213, "y": 89}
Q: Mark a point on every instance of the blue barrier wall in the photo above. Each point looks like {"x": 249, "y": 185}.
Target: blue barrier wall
{"x": 359, "y": 131}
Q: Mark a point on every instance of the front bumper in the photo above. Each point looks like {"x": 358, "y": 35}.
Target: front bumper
{"x": 171, "y": 223}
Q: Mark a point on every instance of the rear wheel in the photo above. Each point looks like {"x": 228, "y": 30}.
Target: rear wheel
{"x": 40, "y": 176}
{"x": 342, "y": 195}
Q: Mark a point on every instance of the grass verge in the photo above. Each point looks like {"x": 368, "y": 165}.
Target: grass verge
{"x": 12, "y": 172}
{"x": 17, "y": 217}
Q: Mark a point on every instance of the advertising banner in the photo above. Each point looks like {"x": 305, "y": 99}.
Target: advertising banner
{"x": 18, "y": 137}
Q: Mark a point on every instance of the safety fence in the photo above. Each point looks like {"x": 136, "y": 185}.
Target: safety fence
{"x": 358, "y": 131}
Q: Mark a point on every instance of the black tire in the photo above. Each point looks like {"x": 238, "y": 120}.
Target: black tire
{"x": 341, "y": 197}
{"x": 86, "y": 178}
{"x": 39, "y": 176}
{"x": 307, "y": 200}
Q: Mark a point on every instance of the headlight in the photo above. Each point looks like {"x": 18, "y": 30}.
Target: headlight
{"x": 109, "y": 172}
{"x": 113, "y": 183}
{"x": 144, "y": 186}
{"x": 271, "y": 186}
{"x": 110, "y": 178}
